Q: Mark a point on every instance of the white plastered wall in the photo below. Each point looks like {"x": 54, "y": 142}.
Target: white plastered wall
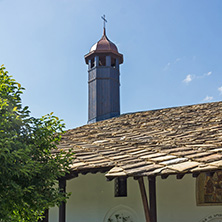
{"x": 93, "y": 197}
{"x": 177, "y": 201}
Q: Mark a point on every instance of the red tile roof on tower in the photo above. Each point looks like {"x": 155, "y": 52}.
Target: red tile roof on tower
{"x": 104, "y": 45}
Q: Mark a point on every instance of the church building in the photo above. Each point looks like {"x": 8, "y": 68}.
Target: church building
{"x": 153, "y": 166}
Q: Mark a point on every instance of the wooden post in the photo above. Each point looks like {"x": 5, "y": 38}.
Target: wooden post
{"x": 144, "y": 199}
{"x": 46, "y": 214}
{"x": 152, "y": 198}
{"x": 62, "y": 207}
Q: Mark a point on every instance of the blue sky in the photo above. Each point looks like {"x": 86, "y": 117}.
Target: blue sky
{"x": 172, "y": 52}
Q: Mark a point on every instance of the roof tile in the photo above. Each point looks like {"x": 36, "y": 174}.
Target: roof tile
{"x": 183, "y": 139}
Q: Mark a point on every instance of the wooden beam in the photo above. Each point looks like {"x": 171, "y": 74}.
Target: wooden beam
{"x": 144, "y": 199}
{"x": 164, "y": 176}
{"x": 196, "y": 174}
{"x": 62, "y": 207}
{"x": 180, "y": 176}
{"x": 70, "y": 175}
{"x": 152, "y": 198}
{"x": 109, "y": 178}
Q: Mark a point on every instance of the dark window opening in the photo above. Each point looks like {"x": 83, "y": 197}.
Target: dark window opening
{"x": 102, "y": 61}
{"x": 120, "y": 187}
{"x": 113, "y": 62}
{"x": 92, "y": 62}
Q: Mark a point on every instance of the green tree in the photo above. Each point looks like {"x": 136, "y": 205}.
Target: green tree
{"x": 30, "y": 164}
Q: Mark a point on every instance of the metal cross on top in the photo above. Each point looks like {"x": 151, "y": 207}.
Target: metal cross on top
{"x": 104, "y": 21}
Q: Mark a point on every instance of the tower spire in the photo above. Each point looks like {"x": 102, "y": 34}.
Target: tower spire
{"x": 104, "y": 24}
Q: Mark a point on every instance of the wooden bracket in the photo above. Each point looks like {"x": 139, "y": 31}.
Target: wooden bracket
{"x": 144, "y": 199}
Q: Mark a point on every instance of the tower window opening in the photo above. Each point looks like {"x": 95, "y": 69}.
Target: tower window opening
{"x": 92, "y": 62}
{"x": 113, "y": 62}
{"x": 102, "y": 61}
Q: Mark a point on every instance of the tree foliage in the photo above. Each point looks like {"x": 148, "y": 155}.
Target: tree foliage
{"x": 29, "y": 171}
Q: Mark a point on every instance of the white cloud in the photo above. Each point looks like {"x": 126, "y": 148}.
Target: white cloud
{"x": 207, "y": 74}
{"x": 167, "y": 66}
{"x": 177, "y": 60}
{"x": 220, "y": 90}
{"x": 208, "y": 98}
{"x": 204, "y": 75}
{"x": 188, "y": 78}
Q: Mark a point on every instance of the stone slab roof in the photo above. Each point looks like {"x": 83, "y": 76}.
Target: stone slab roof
{"x": 176, "y": 140}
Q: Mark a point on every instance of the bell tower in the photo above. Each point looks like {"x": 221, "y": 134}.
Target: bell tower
{"x": 103, "y": 62}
